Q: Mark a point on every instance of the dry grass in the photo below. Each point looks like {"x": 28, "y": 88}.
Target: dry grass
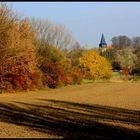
{"x": 89, "y": 110}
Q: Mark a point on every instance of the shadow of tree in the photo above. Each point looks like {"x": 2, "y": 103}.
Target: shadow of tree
{"x": 73, "y": 120}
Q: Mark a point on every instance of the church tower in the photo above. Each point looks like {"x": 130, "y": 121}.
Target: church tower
{"x": 102, "y": 42}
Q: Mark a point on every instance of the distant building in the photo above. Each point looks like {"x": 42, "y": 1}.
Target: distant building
{"x": 103, "y": 43}
{"x": 107, "y": 48}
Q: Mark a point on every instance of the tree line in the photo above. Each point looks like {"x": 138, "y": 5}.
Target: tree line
{"x": 36, "y": 53}
{"x": 125, "y": 54}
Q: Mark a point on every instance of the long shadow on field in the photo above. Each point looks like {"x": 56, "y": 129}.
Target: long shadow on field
{"x": 73, "y": 120}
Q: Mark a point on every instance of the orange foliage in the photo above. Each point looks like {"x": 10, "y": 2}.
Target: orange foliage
{"x": 18, "y": 58}
{"x": 74, "y": 77}
{"x": 69, "y": 79}
{"x": 77, "y": 75}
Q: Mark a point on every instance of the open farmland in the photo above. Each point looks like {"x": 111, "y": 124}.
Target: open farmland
{"x": 95, "y": 110}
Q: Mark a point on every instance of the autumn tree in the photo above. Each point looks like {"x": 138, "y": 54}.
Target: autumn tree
{"x": 7, "y": 17}
{"x": 126, "y": 58}
{"x": 18, "y": 69}
{"x": 95, "y": 66}
{"x": 53, "y": 42}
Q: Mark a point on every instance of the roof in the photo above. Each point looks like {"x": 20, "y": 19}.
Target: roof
{"x": 102, "y": 42}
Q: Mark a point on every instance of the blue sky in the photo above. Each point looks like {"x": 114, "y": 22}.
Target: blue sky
{"x": 87, "y": 20}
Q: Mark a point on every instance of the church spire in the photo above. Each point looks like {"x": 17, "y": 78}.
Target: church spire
{"x": 102, "y": 42}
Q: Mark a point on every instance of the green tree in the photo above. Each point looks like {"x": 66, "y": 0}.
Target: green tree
{"x": 74, "y": 56}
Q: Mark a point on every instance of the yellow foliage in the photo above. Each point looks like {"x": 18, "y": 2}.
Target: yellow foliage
{"x": 27, "y": 37}
{"x": 95, "y": 66}
{"x": 16, "y": 47}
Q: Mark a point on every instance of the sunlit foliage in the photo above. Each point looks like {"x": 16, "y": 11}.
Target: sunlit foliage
{"x": 95, "y": 66}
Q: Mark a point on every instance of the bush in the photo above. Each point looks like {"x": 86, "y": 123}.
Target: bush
{"x": 53, "y": 74}
{"x": 76, "y": 75}
{"x": 18, "y": 58}
{"x": 19, "y": 82}
{"x": 95, "y": 66}
{"x": 49, "y": 81}
{"x": 48, "y": 52}
{"x": 12, "y": 82}
{"x": 69, "y": 80}
{"x": 125, "y": 71}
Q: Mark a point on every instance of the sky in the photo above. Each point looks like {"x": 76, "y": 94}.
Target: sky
{"x": 87, "y": 20}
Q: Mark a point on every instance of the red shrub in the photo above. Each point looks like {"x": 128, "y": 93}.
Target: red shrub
{"x": 49, "y": 81}
{"x": 53, "y": 73}
{"x": 35, "y": 80}
{"x": 125, "y": 71}
{"x": 19, "y": 81}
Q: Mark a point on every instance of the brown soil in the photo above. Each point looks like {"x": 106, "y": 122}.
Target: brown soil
{"x": 97, "y": 110}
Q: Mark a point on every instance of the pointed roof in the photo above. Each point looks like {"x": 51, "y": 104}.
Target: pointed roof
{"x": 102, "y": 42}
